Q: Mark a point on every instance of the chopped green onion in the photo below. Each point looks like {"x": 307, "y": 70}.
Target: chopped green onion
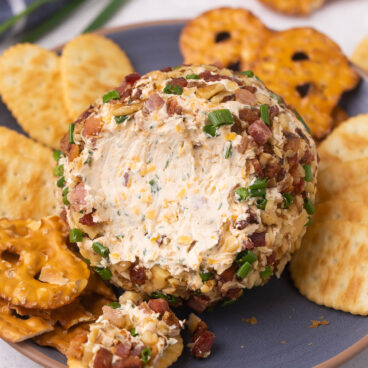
{"x": 302, "y": 121}
{"x": 173, "y": 90}
{"x": 176, "y": 67}
{"x": 58, "y": 170}
{"x": 101, "y": 249}
{"x": 265, "y": 114}
{"x": 111, "y": 95}
{"x": 261, "y": 203}
{"x": 308, "y": 173}
{"x": 210, "y": 130}
{"x": 228, "y": 150}
{"x": 309, "y": 206}
{"x": 65, "y": 191}
{"x": 108, "y": 11}
{"x": 310, "y": 221}
{"x": 241, "y": 194}
{"x": 248, "y": 73}
{"x": 192, "y": 76}
{"x": 120, "y": 119}
{"x": 259, "y": 184}
{"x": 61, "y": 182}
{"x": 266, "y": 273}
{"x": 71, "y": 132}
{"x": 205, "y": 276}
{"x": 57, "y": 155}
{"x": 288, "y": 200}
{"x": 133, "y": 332}
{"x": 114, "y": 305}
{"x": 254, "y": 193}
{"x": 221, "y": 117}
{"x": 66, "y": 201}
{"x": 244, "y": 270}
{"x": 171, "y": 299}
{"x": 226, "y": 302}
{"x": 146, "y": 355}
{"x": 246, "y": 256}
{"x": 154, "y": 186}
{"x": 75, "y": 235}
{"x": 104, "y": 273}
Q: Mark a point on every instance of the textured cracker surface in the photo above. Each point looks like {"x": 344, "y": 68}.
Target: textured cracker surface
{"x": 91, "y": 65}
{"x": 332, "y": 264}
{"x": 324, "y": 68}
{"x": 27, "y": 185}
{"x": 30, "y": 85}
{"x": 247, "y": 33}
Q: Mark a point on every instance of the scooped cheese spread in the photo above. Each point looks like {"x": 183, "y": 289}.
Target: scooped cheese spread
{"x": 192, "y": 179}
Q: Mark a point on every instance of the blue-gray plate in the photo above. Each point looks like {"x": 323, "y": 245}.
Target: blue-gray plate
{"x": 281, "y": 337}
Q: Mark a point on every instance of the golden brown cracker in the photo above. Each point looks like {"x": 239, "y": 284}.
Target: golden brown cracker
{"x": 98, "y": 286}
{"x": 91, "y": 65}
{"x": 221, "y": 36}
{"x": 331, "y": 266}
{"x": 30, "y": 85}
{"x": 27, "y": 185}
{"x": 338, "y": 175}
{"x": 309, "y": 71}
{"x": 360, "y": 54}
{"x": 294, "y": 7}
{"x": 15, "y": 329}
{"x": 171, "y": 353}
{"x": 354, "y": 193}
{"x": 347, "y": 142}
{"x": 60, "y": 339}
{"x": 339, "y": 209}
{"x": 29, "y": 248}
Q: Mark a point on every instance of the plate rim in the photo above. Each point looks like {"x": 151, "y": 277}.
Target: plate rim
{"x": 37, "y": 356}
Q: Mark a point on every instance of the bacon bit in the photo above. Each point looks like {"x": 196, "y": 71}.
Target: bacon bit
{"x": 172, "y": 107}
{"x": 270, "y": 171}
{"x": 228, "y": 274}
{"x": 245, "y": 97}
{"x": 138, "y": 275}
{"x": 137, "y": 94}
{"x": 129, "y": 362}
{"x": 126, "y": 178}
{"x": 136, "y": 350}
{"x": 249, "y": 115}
{"x": 63, "y": 215}
{"x": 274, "y": 111}
{"x": 292, "y": 142}
{"x": 103, "y": 359}
{"x": 180, "y": 82}
{"x": 126, "y": 94}
{"x": 257, "y": 167}
{"x": 240, "y": 224}
{"x": 77, "y": 197}
{"x": 250, "y": 88}
{"x": 73, "y": 152}
{"x": 208, "y": 77}
{"x": 260, "y": 132}
{"x": 280, "y": 175}
{"x": 113, "y": 316}
{"x": 307, "y": 157}
{"x": 159, "y": 305}
{"x": 203, "y": 344}
{"x": 228, "y": 98}
{"x": 234, "y": 293}
{"x": 299, "y": 186}
{"x": 258, "y": 239}
{"x": 129, "y": 80}
{"x": 316, "y": 324}
{"x": 123, "y": 350}
{"x": 84, "y": 115}
{"x": 243, "y": 144}
{"x": 166, "y": 69}
{"x": 271, "y": 259}
{"x": 199, "y": 303}
{"x": 293, "y": 161}
{"x": 267, "y": 148}
{"x": 64, "y": 144}
{"x": 87, "y": 219}
{"x": 247, "y": 244}
{"x": 92, "y": 126}
{"x": 253, "y": 320}
{"x": 154, "y": 102}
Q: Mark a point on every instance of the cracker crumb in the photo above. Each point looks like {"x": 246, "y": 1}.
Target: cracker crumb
{"x": 316, "y": 324}
{"x": 252, "y": 320}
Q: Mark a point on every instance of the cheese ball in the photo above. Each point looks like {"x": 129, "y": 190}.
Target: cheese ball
{"x": 191, "y": 182}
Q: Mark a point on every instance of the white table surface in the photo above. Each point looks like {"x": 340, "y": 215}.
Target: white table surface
{"x": 345, "y": 21}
